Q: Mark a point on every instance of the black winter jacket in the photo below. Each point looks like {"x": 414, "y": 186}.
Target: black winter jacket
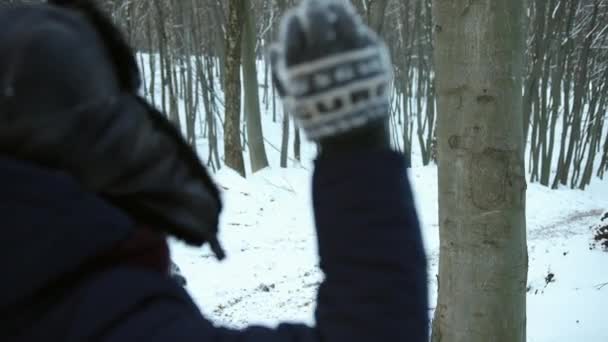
{"x": 369, "y": 244}
{"x": 121, "y": 165}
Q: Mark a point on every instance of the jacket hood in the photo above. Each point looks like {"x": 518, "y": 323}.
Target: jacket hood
{"x": 66, "y": 102}
{"x": 50, "y": 228}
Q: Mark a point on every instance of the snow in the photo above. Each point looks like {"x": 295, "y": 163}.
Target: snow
{"x": 271, "y": 273}
{"x": 572, "y": 306}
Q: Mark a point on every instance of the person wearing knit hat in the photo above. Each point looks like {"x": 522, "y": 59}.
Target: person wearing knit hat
{"x": 94, "y": 179}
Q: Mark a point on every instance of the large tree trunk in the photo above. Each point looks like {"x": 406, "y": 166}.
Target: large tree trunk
{"x": 232, "y": 124}
{"x": 483, "y": 253}
{"x": 255, "y": 136}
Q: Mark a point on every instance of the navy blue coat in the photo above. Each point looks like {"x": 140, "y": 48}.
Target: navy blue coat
{"x": 369, "y": 244}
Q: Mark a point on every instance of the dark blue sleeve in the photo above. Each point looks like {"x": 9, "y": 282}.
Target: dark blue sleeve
{"x": 371, "y": 253}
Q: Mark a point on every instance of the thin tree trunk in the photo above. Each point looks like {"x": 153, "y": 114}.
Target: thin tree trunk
{"x": 296, "y": 143}
{"x": 596, "y": 128}
{"x": 285, "y": 139}
{"x": 531, "y": 84}
{"x": 152, "y": 63}
{"x": 604, "y": 163}
{"x": 255, "y": 136}
{"x": 162, "y": 47}
{"x": 579, "y": 92}
{"x": 556, "y": 98}
{"x": 216, "y": 17}
{"x": 376, "y": 10}
{"x": 232, "y": 145}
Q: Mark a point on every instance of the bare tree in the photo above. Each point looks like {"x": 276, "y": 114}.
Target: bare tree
{"x": 282, "y": 4}
{"x": 564, "y": 87}
{"x": 255, "y": 136}
{"x": 376, "y": 10}
{"x": 232, "y": 145}
{"x": 483, "y": 254}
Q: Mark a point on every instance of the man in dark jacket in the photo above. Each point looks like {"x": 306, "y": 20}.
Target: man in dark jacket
{"x": 93, "y": 179}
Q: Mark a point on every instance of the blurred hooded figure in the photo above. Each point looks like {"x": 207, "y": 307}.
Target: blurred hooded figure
{"x": 94, "y": 179}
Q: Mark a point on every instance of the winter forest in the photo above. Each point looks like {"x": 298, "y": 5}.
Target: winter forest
{"x": 538, "y": 274}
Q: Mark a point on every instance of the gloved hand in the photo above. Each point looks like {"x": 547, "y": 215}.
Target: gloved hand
{"x": 333, "y": 73}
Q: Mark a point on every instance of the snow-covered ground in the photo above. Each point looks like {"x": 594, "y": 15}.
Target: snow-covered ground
{"x": 271, "y": 273}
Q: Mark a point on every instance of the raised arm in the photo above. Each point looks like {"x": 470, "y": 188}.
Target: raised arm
{"x": 371, "y": 251}
{"x": 333, "y": 74}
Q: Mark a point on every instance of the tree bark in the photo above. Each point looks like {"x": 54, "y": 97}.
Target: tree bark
{"x": 604, "y": 162}
{"x": 296, "y": 143}
{"x": 232, "y": 124}
{"x": 531, "y": 82}
{"x": 483, "y": 253}
{"x": 285, "y": 139}
{"x": 580, "y": 87}
{"x": 255, "y": 135}
{"x": 556, "y": 81}
{"x": 376, "y": 10}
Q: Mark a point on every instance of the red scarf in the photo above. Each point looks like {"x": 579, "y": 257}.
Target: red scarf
{"x": 144, "y": 249}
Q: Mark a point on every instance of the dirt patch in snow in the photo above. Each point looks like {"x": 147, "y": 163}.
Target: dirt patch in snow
{"x": 600, "y": 233}
{"x": 566, "y": 226}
